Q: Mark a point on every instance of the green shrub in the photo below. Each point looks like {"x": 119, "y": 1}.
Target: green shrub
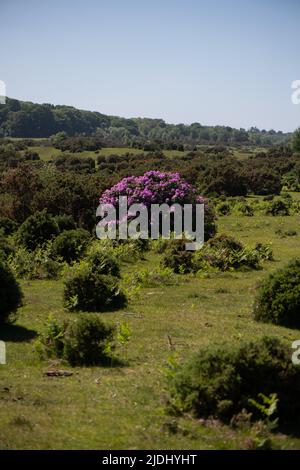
{"x": 265, "y": 251}
{"x": 104, "y": 262}
{"x": 224, "y": 208}
{"x": 278, "y": 299}
{"x": 36, "y": 264}
{"x": 7, "y": 225}
{"x": 70, "y": 245}
{"x": 65, "y": 222}
{"x": 36, "y": 230}
{"x": 88, "y": 290}
{"x": 10, "y": 293}
{"x": 225, "y": 253}
{"x": 86, "y": 340}
{"x": 221, "y": 381}
{"x": 225, "y": 242}
{"x": 278, "y": 207}
{"x": 246, "y": 210}
{"x": 6, "y": 247}
{"x": 177, "y": 257}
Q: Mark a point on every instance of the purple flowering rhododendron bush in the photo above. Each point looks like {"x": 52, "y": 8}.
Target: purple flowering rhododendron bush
{"x": 156, "y": 187}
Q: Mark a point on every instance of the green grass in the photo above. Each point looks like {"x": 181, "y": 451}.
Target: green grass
{"x": 99, "y": 408}
{"x": 47, "y": 152}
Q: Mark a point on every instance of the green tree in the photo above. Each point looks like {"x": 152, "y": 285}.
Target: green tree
{"x": 296, "y": 140}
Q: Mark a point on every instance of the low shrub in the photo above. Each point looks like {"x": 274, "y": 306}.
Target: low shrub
{"x": 10, "y": 293}
{"x": 245, "y": 209}
{"x": 177, "y": 257}
{"x": 225, "y": 253}
{"x": 86, "y": 340}
{"x": 224, "y": 208}
{"x": 221, "y": 381}
{"x": 104, "y": 262}
{"x": 265, "y": 251}
{"x": 87, "y": 290}
{"x": 278, "y": 207}
{"x": 37, "y": 230}
{"x": 37, "y": 264}
{"x": 70, "y": 245}
{"x": 278, "y": 299}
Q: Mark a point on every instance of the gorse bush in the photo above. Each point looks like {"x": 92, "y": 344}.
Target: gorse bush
{"x": 10, "y": 293}
{"x": 177, "y": 257}
{"x": 104, "y": 262}
{"x": 70, "y": 245}
{"x": 278, "y": 299}
{"x": 36, "y": 230}
{"x": 225, "y": 242}
{"x": 87, "y": 290}
{"x": 221, "y": 381}
{"x": 278, "y": 207}
{"x": 86, "y": 340}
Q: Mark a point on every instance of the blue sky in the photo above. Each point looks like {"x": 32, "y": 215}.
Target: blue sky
{"x": 227, "y": 62}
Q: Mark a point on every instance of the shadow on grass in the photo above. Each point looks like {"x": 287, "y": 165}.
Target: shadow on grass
{"x": 16, "y": 333}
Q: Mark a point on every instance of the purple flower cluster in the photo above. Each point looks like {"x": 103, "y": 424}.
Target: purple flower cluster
{"x": 154, "y": 187}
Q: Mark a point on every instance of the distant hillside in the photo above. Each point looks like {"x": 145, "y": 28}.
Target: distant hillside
{"x": 26, "y": 119}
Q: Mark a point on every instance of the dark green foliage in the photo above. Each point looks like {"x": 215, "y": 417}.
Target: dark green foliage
{"x": 278, "y": 299}
{"x": 88, "y": 290}
{"x": 36, "y": 230}
{"x": 278, "y": 207}
{"x": 25, "y": 119}
{"x": 10, "y": 293}
{"x": 31, "y": 155}
{"x": 224, "y": 253}
{"x": 6, "y": 247}
{"x": 296, "y": 140}
{"x": 72, "y": 163}
{"x": 224, "y": 208}
{"x": 177, "y": 257}
{"x": 70, "y": 245}
{"x": 104, "y": 263}
{"x": 263, "y": 181}
{"x": 65, "y": 222}
{"x": 225, "y": 242}
{"x": 220, "y": 380}
{"x": 7, "y": 225}
{"x": 85, "y": 340}
{"x": 246, "y": 210}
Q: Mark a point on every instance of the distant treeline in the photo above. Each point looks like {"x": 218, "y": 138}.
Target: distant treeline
{"x": 26, "y": 119}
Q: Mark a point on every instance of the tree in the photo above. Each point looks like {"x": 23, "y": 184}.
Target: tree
{"x": 296, "y": 140}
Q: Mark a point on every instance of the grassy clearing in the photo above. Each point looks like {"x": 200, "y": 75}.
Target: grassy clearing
{"x": 46, "y": 153}
{"x": 124, "y": 407}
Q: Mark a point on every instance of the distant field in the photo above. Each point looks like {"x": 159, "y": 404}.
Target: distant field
{"x": 46, "y": 153}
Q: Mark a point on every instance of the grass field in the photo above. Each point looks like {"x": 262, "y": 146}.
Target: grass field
{"x": 46, "y": 153}
{"x": 124, "y": 407}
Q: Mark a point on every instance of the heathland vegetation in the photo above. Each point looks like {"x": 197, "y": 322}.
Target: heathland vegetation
{"x": 140, "y": 343}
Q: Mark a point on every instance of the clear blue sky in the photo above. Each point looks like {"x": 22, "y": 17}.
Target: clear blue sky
{"x": 228, "y": 62}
